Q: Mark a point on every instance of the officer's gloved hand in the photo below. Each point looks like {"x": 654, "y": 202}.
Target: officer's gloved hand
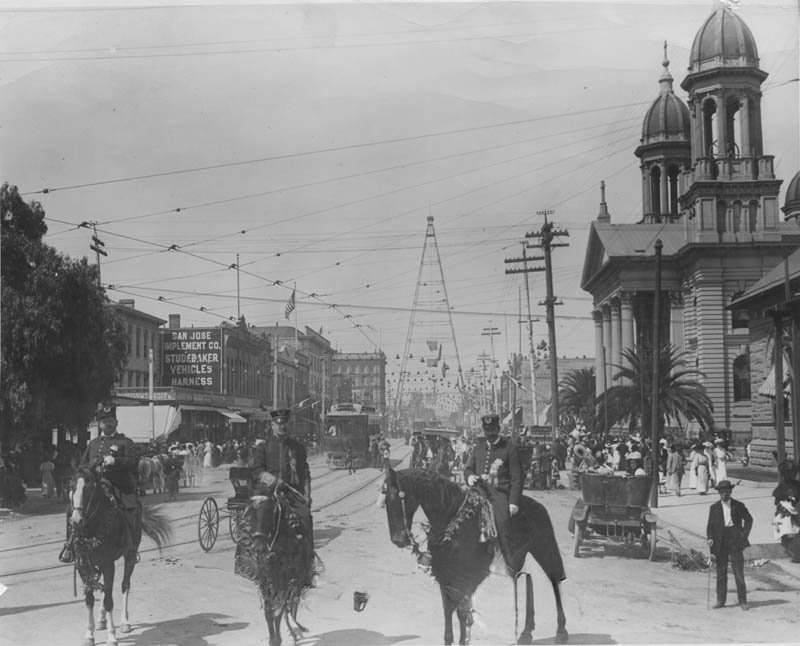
{"x": 471, "y": 480}
{"x": 108, "y": 460}
{"x": 512, "y": 509}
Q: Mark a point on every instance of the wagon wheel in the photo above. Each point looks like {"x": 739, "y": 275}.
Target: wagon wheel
{"x": 653, "y": 539}
{"x": 208, "y": 524}
{"x": 234, "y": 523}
{"x": 577, "y": 537}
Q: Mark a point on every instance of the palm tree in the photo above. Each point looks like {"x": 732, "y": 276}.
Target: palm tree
{"x": 681, "y": 394}
{"x": 576, "y": 398}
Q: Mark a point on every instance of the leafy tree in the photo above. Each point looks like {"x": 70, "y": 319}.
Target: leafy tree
{"x": 576, "y": 398}
{"x": 62, "y": 347}
{"x": 681, "y": 394}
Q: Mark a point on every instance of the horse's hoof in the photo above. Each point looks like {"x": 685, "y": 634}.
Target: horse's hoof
{"x": 125, "y": 628}
{"x": 562, "y": 636}
{"x": 101, "y": 625}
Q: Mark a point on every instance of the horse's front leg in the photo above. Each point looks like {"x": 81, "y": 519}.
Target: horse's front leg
{"x": 464, "y": 612}
{"x": 124, "y": 619}
{"x": 447, "y": 607}
{"x": 88, "y": 595}
{"x": 561, "y": 632}
{"x": 108, "y": 602}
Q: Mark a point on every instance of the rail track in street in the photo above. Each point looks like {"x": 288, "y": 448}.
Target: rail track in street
{"x": 28, "y": 551}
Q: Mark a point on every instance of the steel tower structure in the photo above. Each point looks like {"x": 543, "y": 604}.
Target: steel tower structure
{"x": 431, "y": 315}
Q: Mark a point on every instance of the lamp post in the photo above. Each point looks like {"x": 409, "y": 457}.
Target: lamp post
{"x": 655, "y": 421}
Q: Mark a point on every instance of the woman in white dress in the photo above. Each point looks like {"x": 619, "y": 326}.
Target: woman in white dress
{"x": 700, "y": 469}
{"x": 207, "y": 463}
{"x": 722, "y": 456}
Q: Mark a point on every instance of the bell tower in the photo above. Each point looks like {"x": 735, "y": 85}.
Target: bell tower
{"x": 731, "y": 193}
{"x": 664, "y": 151}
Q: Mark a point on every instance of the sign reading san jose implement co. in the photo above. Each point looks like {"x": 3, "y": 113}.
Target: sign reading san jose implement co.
{"x": 191, "y": 358}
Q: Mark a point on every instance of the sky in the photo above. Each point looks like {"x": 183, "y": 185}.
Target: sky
{"x": 314, "y": 141}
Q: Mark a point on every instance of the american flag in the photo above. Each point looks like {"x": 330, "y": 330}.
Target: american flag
{"x": 290, "y": 305}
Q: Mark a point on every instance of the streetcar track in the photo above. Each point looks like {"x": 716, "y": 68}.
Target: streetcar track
{"x": 174, "y": 523}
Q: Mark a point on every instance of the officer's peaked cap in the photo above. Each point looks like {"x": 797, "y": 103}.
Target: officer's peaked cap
{"x": 490, "y": 421}
{"x": 106, "y": 410}
{"x": 281, "y": 414}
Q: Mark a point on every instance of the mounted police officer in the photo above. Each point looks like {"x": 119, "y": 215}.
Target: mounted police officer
{"x": 495, "y": 462}
{"x": 281, "y": 464}
{"x": 117, "y": 459}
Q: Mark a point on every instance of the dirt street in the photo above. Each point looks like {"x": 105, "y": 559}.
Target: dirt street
{"x": 186, "y": 597}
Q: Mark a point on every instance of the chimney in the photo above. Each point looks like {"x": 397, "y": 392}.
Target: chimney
{"x": 126, "y": 302}
{"x": 174, "y": 321}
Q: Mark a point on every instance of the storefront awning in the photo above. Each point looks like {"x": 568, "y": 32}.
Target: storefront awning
{"x": 140, "y": 425}
{"x": 767, "y": 389}
{"x": 235, "y": 418}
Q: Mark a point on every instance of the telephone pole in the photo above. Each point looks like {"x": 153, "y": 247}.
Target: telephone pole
{"x": 492, "y": 332}
{"x": 525, "y": 259}
{"x": 546, "y": 234}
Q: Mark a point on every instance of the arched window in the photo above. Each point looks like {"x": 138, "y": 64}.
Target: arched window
{"x": 738, "y": 225}
{"x": 741, "y": 377}
{"x": 709, "y": 127}
{"x": 672, "y": 174}
{"x": 752, "y": 215}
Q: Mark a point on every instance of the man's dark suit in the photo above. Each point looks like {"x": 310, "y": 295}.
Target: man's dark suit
{"x": 729, "y": 543}
{"x": 505, "y": 489}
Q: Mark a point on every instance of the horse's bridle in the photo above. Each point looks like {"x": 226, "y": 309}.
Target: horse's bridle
{"x": 406, "y": 520}
{"x": 277, "y": 514}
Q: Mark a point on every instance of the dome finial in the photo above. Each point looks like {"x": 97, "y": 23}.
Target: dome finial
{"x": 666, "y": 78}
{"x": 603, "y": 215}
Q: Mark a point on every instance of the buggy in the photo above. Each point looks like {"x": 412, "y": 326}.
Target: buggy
{"x": 208, "y": 523}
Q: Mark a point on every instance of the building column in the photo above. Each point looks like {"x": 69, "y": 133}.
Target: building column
{"x": 599, "y": 368}
{"x": 626, "y": 321}
{"x": 616, "y": 337}
{"x": 607, "y": 342}
{"x": 664, "y": 187}
{"x": 676, "y": 320}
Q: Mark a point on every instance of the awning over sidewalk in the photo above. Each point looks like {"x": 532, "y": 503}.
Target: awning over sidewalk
{"x": 234, "y": 417}
{"x": 138, "y": 424}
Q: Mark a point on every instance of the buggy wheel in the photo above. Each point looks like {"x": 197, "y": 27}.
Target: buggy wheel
{"x": 234, "y": 523}
{"x": 208, "y": 524}
{"x": 577, "y": 537}
{"x": 653, "y": 539}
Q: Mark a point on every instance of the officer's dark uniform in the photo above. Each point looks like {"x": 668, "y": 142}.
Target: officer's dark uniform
{"x": 285, "y": 458}
{"x": 507, "y": 487}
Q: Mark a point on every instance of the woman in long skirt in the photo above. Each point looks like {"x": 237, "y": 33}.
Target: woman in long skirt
{"x": 700, "y": 469}
{"x": 722, "y": 457}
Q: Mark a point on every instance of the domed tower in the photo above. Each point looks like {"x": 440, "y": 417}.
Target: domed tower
{"x": 791, "y": 204}
{"x": 732, "y": 192}
{"x": 664, "y": 151}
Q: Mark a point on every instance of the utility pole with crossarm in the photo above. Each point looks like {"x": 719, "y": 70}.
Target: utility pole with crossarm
{"x": 546, "y": 234}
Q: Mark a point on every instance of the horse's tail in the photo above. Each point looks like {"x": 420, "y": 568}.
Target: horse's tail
{"x": 156, "y": 525}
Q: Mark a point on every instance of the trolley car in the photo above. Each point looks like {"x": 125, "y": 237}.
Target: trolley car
{"x": 348, "y": 428}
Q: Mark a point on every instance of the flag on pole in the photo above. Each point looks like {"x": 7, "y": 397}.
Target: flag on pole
{"x": 290, "y": 305}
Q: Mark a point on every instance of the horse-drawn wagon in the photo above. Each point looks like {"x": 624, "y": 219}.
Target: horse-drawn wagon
{"x": 208, "y": 522}
{"x": 615, "y": 507}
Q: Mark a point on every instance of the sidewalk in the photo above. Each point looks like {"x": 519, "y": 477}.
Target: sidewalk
{"x": 689, "y": 514}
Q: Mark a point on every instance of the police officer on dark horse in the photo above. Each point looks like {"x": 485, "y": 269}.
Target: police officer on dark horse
{"x": 283, "y": 465}
{"x": 496, "y": 463}
{"x": 117, "y": 458}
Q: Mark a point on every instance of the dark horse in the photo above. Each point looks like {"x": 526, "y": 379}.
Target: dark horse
{"x": 460, "y": 559}
{"x": 100, "y": 538}
{"x": 275, "y": 554}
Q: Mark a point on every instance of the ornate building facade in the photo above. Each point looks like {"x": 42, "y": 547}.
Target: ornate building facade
{"x": 710, "y": 195}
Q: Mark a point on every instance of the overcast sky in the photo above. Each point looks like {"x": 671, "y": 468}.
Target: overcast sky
{"x": 314, "y": 140}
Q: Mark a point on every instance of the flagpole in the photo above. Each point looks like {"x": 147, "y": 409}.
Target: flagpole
{"x": 294, "y": 291}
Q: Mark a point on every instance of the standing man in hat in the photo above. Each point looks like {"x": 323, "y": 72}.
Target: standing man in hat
{"x": 116, "y": 457}
{"x": 728, "y": 529}
{"x": 282, "y": 460}
{"x": 496, "y": 463}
